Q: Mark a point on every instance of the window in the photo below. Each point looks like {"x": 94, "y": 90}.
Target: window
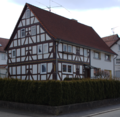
{"x": 33, "y": 30}
{"x": 64, "y": 47}
{"x": 45, "y": 48}
{"x": 23, "y": 32}
{"x": 13, "y": 53}
{"x": 119, "y": 47}
{"x": 3, "y": 56}
{"x": 43, "y": 68}
{"x": 85, "y": 52}
{"x": 97, "y": 55}
{"x": 0, "y": 44}
{"x": 107, "y": 57}
{"x": 67, "y": 68}
{"x": 117, "y": 61}
{"x": 69, "y": 48}
{"x": 28, "y": 13}
{"x": 39, "y": 49}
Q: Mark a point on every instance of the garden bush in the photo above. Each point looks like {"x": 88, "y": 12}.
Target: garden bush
{"x": 55, "y": 93}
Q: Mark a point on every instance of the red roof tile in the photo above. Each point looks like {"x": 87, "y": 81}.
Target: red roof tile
{"x": 3, "y": 43}
{"x": 111, "y": 40}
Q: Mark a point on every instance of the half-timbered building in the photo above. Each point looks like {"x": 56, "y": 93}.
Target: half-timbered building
{"x": 46, "y": 46}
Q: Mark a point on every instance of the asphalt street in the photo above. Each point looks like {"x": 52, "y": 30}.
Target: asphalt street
{"x": 109, "y": 111}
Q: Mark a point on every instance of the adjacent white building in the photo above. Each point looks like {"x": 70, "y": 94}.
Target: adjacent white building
{"x": 113, "y": 42}
{"x": 3, "y": 57}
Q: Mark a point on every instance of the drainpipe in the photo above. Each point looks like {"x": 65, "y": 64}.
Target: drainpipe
{"x": 57, "y": 43}
{"x": 114, "y": 66}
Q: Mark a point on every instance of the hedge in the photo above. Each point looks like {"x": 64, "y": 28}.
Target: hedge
{"x": 56, "y": 93}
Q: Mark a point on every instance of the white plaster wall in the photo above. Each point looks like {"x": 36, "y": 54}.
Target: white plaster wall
{"x": 102, "y": 64}
{"x": 3, "y": 61}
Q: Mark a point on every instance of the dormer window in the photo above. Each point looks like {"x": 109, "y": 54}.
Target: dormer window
{"x": 64, "y": 47}
{"x": 13, "y": 53}
{"x": 23, "y": 32}
{"x": 33, "y": 30}
{"x": 0, "y": 45}
{"x": 28, "y": 13}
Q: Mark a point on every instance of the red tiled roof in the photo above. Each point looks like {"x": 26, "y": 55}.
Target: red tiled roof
{"x": 69, "y": 30}
{"x": 111, "y": 40}
{"x": 3, "y": 42}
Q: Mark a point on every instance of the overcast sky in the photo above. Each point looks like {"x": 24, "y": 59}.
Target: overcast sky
{"x": 102, "y": 15}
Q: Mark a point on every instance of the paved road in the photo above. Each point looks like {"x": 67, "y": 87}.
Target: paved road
{"x": 109, "y": 111}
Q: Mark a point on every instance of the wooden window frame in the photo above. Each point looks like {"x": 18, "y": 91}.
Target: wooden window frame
{"x": 3, "y": 57}
{"x": 28, "y": 13}
{"x": 70, "y": 47}
{"x": 33, "y": 30}
{"x": 67, "y": 68}
{"x": 45, "y": 67}
{"x": 117, "y": 59}
{"x": 98, "y": 55}
{"x": 108, "y": 57}
{"x": 63, "y": 47}
{"x": 38, "y": 49}
{"x": 44, "y": 47}
{"x": 22, "y": 36}
{"x": 12, "y": 53}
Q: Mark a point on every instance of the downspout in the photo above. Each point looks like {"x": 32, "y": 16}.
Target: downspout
{"x": 114, "y": 66}
{"x": 57, "y": 43}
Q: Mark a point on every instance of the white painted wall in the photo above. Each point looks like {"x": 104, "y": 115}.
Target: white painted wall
{"x": 101, "y": 63}
{"x": 115, "y": 48}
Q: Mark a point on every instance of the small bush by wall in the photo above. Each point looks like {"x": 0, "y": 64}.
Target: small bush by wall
{"x": 55, "y": 93}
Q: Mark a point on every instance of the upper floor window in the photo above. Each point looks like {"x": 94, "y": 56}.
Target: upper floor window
{"x": 45, "y": 48}
{"x": 67, "y": 68}
{"x": 28, "y": 13}
{"x": 13, "y": 53}
{"x": 69, "y": 48}
{"x": 97, "y": 55}
{"x": 33, "y": 30}
{"x": 64, "y": 47}
{"x": 107, "y": 57}
{"x": 85, "y": 52}
{"x": 43, "y": 68}
{"x": 39, "y": 49}
{"x": 3, "y": 56}
{"x": 117, "y": 61}
{"x": 0, "y": 44}
{"x": 42, "y": 48}
{"x": 23, "y": 32}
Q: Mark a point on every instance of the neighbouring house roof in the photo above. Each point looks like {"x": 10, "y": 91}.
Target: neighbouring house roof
{"x": 111, "y": 40}
{"x": 3, "y": 43}
{"x": 67, "y": 29}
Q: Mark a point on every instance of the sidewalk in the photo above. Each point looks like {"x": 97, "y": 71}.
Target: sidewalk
{"x": 98, "y": 112}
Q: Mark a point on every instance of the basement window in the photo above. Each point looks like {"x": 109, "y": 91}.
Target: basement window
{"x": 43, "y": 68}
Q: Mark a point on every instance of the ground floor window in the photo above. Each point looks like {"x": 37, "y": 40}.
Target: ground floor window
{"x": 67, "y": 68}
{"x": 43, "y": 68}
